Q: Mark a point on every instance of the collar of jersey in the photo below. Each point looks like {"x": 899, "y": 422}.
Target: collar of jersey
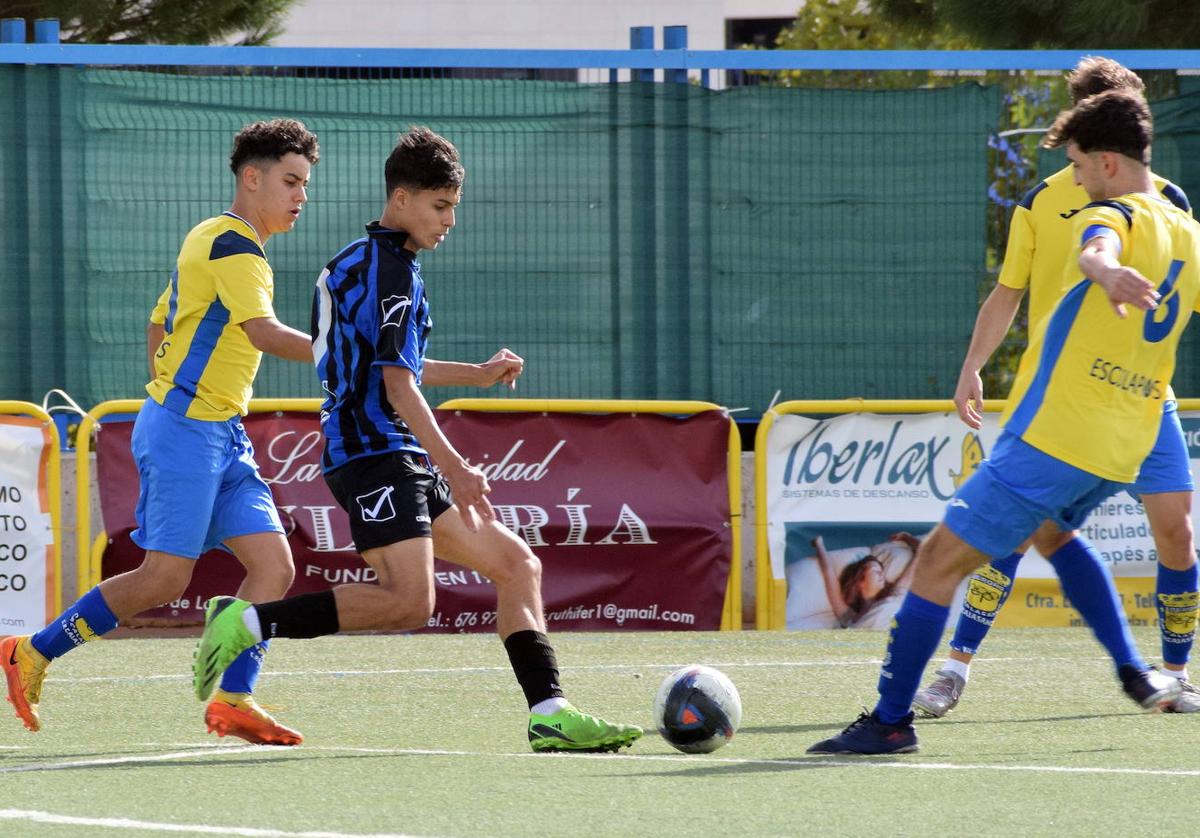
{"x": 233, "y": 214}
{"x": 395, "y": 238}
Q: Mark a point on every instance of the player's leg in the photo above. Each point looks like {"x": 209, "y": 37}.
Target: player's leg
{"x": 943, "y": 561}
{"x": 176, "y": 459}
{"x": 389, "y": 522}
{"x": 246, "y": 522}
{"x": 1164, "y": 486}
{"x": 160, "y": 578}
{"x": 402, "y": 600}
{"x": 1176, "y": 595}
{"x": 1002, "y": 504}
{"x": 233, "y": 710}
{"x": 1088, "y": 584}
{"x": 987, "y": 591}
{"x": 498, "y": 554}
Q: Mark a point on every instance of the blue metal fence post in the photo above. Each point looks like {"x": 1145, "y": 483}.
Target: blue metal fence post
{"x": 12, "y": 30}
{"x": 677, "y": 304}
{"x": 675, "y": 37}
{"x": 45, "y": 30}
{"x": 642, "y": 301}
{"x": 641, "y": 37}
{"x": 614, "y": 234}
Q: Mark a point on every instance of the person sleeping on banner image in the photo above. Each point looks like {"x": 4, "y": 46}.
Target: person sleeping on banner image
{"x": 866, "y": 591}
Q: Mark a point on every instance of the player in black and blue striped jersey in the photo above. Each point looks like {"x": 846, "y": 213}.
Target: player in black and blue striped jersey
{"x": 409, "y": 494}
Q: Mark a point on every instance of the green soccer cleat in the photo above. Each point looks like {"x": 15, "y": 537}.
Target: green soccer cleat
{"x": 225, "y": 637}
{"x": 570, "y": 730}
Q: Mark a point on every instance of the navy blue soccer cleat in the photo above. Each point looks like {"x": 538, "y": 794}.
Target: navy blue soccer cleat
{"x": 868, "y": 735}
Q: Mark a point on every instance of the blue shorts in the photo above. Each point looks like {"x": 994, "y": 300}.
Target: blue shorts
{"x": 1015, "y": 490}
{"x": 198, "y": 483}
{"x": 1168, "y": 467}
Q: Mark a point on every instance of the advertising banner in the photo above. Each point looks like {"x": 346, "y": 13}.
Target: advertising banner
{"x": 629, "y": 515}
{"x": 27, "y": 578}
{"x": 849, "y": 498}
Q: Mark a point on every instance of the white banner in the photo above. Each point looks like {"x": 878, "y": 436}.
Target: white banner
{"x": 27, "y": 578}
{"x": 848, "y": 498}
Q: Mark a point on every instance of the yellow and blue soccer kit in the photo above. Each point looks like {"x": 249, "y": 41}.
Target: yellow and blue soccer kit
{"x": 1088, "y": 401}
{"x": 1040, "y": 256}
{"x": 199, "y": 484}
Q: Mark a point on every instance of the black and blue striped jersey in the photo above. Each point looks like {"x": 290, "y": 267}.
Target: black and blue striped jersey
{"x": 370, "y": 310}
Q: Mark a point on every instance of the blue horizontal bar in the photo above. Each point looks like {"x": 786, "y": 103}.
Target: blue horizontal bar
{"x": 223, "y": 56}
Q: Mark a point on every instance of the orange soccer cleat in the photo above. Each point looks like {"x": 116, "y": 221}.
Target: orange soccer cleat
{"x": 24, "y": 669}
{"x": 238, "y": 714}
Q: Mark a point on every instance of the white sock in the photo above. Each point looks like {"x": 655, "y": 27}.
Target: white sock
{"x": 250, "y": 618}
{"x": 962, "y": 670}
{"x": 1181, "y": 674}
{"x": 549, "y": 706}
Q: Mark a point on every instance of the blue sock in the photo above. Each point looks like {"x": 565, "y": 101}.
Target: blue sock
{"x": 987, "y": 591}
{"x": 914, "y": 638}
{"x": 242, "y": 674}
{"x": 1089, "y": 586}
{"x": 1176, "y": 599}
{"x": 89, "y": 618}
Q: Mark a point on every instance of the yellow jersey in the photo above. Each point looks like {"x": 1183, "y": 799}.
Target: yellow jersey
{"x": 1090, "y": 386}
{"x": 1039, "y": 244}
{"x": 206, "y": 365}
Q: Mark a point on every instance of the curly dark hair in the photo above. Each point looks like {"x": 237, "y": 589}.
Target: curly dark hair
{"x": 1096, "y": 74}
{"x": 271, "y": 140}
{"x": 423, "y": 160}
{"x": 1116, "y": 120}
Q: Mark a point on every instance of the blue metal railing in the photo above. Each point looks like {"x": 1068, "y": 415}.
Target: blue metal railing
{"x": 635, "y": 59}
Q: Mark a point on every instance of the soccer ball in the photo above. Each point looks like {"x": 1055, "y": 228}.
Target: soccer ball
{"x": 697, "y": 709}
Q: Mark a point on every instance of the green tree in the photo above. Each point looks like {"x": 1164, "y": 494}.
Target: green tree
{"x": 1045, "y": 24}
{"x": 853, "y": 24}
{"x": 243, "y": 22}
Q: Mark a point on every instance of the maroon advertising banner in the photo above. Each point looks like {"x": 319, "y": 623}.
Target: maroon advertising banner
{"x": 629, "y": 515}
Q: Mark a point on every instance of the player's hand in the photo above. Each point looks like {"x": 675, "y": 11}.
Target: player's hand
{"x": 968, "y": 398}
{"x": 1125, "y": 285}
{"x": 505, "y": 367}
{"x": 469, "y": 487}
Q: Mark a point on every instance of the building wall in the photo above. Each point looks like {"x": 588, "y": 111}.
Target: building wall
{"x": 515, "y": 24}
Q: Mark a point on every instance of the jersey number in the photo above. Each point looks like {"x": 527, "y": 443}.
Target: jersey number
{"x": 1154, "y": 329}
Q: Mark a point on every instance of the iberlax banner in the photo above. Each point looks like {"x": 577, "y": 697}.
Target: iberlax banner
{"x": 27, "y": 578}
{"x": 629, "y": 516}
{"x": 849, "y": 498}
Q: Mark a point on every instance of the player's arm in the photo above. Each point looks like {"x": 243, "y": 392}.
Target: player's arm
{"x": 156, "y": 329}
{"x": 1099, "y": 260}
{"x": 155, "y": 332}
{"x": 268, "y": 335}
{"x": 468, "y": 485}
{"x": 245, "y": 287}
{"x": 998, "y": 310}
{"x": 991, "y": 325}
{"x": 505, "y": 367}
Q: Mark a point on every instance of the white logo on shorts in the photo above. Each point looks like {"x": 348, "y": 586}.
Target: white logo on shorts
{"x": 424, "y": 519}
{"x": 959, "y": 502}
{"x": 377, "y": 505}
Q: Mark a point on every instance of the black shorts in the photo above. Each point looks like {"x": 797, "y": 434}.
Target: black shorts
{"x": 389, "y": 497}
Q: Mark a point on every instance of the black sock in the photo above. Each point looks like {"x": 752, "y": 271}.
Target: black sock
{"x": 533, "y": 661}
{"x": 304, "y": 615}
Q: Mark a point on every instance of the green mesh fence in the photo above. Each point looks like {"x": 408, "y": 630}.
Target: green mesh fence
{"x": 631, "y": 241}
